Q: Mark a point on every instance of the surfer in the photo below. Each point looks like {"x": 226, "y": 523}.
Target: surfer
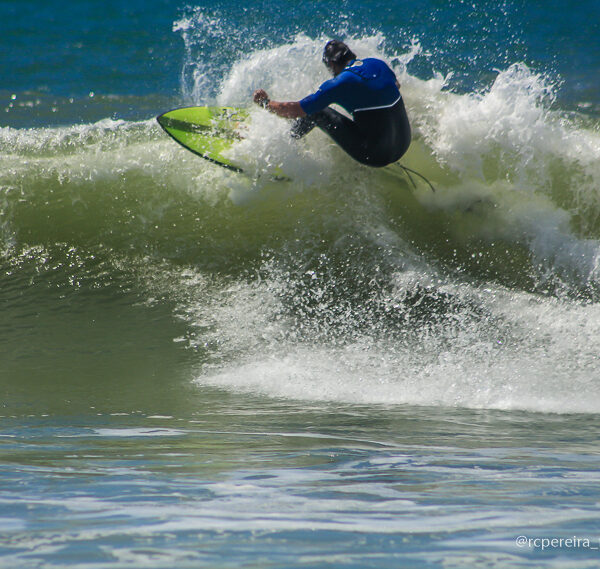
{"x": 379, "y": 132}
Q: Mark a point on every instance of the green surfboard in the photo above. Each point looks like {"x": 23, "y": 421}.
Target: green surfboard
{"x": 206, "y": 131}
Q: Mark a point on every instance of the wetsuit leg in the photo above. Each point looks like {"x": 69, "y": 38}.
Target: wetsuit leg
{"x": 344, "y": 131}
{"x": 339, "y": 127}
{"x": 375, "y": 138}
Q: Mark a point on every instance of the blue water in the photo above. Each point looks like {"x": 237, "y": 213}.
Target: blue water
{"x": 131, "y": 51}
{"x": 202, "y": 369}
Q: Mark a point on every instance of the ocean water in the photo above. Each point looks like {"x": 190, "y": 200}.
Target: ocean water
{"x": 201, "y": 369}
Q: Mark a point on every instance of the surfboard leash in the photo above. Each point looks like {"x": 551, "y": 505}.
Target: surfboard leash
{"x": 408, "y": 172}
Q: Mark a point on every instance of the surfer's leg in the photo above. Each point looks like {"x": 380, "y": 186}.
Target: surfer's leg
{"x": 376, "y": 138}
{"x": 339, "y": 127}
{"x": 327, "y": 120}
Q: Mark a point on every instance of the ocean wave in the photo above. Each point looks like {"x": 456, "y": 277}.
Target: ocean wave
{"x": 481, "y": 293}
{"x": 510, "y": 171}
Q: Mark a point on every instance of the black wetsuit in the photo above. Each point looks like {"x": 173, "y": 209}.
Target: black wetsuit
{"x": 380, "y": 132}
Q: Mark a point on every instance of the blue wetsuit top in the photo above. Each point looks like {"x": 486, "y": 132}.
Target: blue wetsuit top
{"x": 366, "y": 84}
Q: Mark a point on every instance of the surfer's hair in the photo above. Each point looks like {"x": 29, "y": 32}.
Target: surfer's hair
{"x": 337, "y": 53}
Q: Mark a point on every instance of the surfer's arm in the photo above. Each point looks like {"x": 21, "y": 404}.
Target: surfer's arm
{"x": 287, "y": 110}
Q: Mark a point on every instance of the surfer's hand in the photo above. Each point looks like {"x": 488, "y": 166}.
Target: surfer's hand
{"x": 261, "y": 97}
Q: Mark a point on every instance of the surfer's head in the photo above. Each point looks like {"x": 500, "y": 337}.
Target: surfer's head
{"x": 337, "y": 55}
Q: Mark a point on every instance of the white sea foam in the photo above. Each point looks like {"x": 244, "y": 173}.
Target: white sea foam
{"x": 504, "y": 144}
{"x": 525, "y": 353}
